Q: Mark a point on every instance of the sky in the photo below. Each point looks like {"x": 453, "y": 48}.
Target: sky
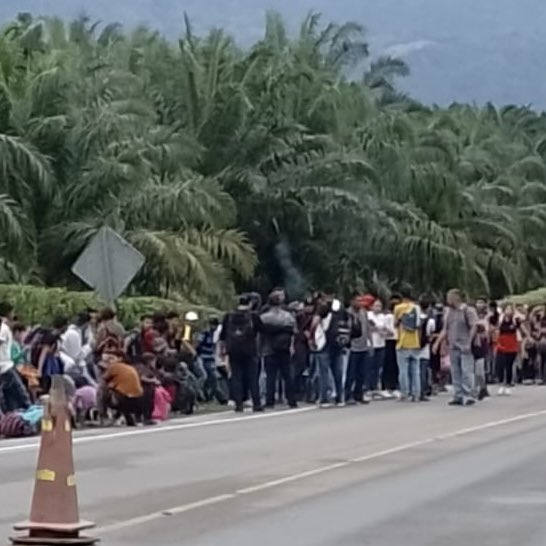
{"x": 464, "y": 50}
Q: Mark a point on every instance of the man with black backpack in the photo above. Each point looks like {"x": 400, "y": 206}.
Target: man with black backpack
{"x": 239, "y": 341}
{"x": 277, "y": 348}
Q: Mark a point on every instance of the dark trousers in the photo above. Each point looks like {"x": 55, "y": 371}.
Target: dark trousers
{"x": 424, "y": 364}
{"x": 375, "y": 368}
{"x": 132, "y": 409}
{"x": 336, "y": 368}
{"x": 212, "y": 388}
{"x": 276, "y": 365}
{"x": 390, "y": 367}
{"x": 14, "y": 394}
{"x": 505, "y": 365}
{"x": 356, "y": 375}
{"x": 244, "y": 375}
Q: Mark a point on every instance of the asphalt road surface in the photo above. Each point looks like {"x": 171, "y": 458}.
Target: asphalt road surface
{"x": 390, "y": 473}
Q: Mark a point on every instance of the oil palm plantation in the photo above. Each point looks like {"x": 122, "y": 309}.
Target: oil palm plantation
{"x": 210, "y": 158}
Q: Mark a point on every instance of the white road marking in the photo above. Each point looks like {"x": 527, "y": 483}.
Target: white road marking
{"x": 159, "y": 429}
{"x": 183, "y": 508}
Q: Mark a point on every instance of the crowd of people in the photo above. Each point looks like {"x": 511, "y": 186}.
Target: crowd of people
{"x": 313, "y": 351}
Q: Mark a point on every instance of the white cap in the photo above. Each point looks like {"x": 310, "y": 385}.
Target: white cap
{"x": 191, "y": 316}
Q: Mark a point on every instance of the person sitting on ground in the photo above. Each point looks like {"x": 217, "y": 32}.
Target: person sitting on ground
{"x": 21, "y": 360}
{"x": 110, "y": 333}
{"x": 85, "y": 401}
{"x": 141, "y": 340}
{"x": 124, "y": 389}
{"x": 149, "y": 377}
{"x": 178, "y": 382}
{"x": 49, "y": 362}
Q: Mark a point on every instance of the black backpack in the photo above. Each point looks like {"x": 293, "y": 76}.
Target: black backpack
{"x": 344, "y": 330}
{"x": 240, "y": 335}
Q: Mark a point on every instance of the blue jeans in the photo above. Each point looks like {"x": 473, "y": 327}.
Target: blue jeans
{"x": 410, "y": 376}
{"x": 377, "y": 359}
{"x": 462, "y": 374}
{"x": 356, "y": 375}
{"x": 321, "y": 364}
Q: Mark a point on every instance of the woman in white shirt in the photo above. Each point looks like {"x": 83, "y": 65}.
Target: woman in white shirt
{"x": 381, "y": 330}
{"x": 428, "y": 327}
{"x": 390, "y": 364}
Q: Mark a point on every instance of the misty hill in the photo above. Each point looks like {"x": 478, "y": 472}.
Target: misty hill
{"x": 464, "y": 50}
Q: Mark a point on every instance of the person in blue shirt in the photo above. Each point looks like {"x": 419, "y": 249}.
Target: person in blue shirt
{"x": 206, "y": 351}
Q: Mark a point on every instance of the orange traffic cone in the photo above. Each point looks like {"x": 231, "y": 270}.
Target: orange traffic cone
{"x": 54, "y": 515}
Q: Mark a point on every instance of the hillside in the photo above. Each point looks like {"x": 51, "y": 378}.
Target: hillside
{"x": 491, "y": 50}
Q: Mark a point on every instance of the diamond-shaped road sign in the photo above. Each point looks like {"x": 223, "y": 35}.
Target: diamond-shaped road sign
{"x": 108, "y": 264}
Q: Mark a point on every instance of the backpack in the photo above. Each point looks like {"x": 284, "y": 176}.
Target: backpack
{"x": 240, "y": 336}
{"x": 343, "y": 333}
{"x": 12, "y": 425}
{"x": 411, "y": 321}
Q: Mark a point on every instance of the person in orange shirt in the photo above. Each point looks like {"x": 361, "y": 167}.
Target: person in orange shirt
{"x": 124, "y": 390}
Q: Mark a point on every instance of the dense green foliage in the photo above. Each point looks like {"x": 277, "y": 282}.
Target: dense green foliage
{"x": 37, "y": 305}
{"x": 225, "y": 166}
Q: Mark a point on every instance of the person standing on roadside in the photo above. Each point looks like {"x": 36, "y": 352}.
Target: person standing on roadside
{"x": 407, "y": 319}
{"x": 510, "y": 325}
{"x": 381, "y": 330}
{"x": 239, "y": 341}
{"x": 279, "y": 330}
{"x": 389, "y": 378}
{"x": 460, "y": 324}
{"x": 428, "y": 328}
{"x": 360, "y": 356}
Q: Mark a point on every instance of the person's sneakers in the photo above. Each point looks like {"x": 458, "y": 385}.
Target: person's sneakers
{"x": 340, "y": 404}
{"x": 455, "y": 402}
{"x": 470, "y": 402}
{"x": 325, "y": 405}
{"x": 150, "y": 423}
{"x": 508, "y": 391}
{"x": 397, "y": 395}
{"x": 501, "y": 391}
{"x": 239, "y": 409}
{"x": 294, "y": 405}
{"x": 351, "y": 403}
{"x": 258, "y": 409}
{"x": 424, "y": 399}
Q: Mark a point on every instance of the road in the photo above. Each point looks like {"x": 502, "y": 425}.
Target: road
{"x": 389, "y": 473}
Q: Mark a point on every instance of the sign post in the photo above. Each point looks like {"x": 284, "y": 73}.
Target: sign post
{"x": 108, "y": 264}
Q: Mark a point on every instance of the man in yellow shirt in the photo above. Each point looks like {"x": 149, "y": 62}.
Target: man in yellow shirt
{"x": 407, "y": 319}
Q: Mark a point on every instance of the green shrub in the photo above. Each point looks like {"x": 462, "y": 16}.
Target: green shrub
{"x": 534, "y": 297}
{"x": 37, "y": 305}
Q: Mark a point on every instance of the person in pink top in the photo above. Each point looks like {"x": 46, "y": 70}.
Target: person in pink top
{"x": 85, "y": 401}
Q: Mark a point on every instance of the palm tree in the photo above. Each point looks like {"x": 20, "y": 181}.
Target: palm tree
{"x": 224, "y": 165}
